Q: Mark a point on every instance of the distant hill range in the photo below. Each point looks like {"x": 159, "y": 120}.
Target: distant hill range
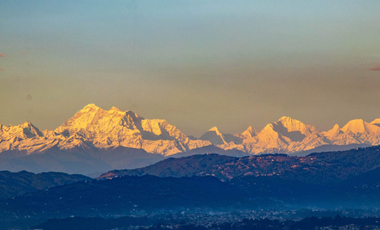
{"x": 343, "y": 179}
{"x": 316, "y": 168}
{"x": 348, "y": 179}
{"x": 97, "y": 140}
{"x": 16, "y": 184}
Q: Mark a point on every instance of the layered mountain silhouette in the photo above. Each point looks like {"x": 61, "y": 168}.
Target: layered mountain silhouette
{"x": 93, "y": 137}
{"x": 348, "y": 179}
{"x": 316, "y": 168}
{"x": 15, "y": 184}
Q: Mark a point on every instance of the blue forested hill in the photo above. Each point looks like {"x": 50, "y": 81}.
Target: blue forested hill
{"x": 14, "y": 184}
{"x": 316, "y": 168}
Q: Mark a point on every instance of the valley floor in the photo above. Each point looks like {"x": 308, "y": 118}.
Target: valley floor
{"x": 214, "y": 220}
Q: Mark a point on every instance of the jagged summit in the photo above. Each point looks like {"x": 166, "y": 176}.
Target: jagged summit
{"x": 332, "y": 133}
{"x": 90, "y": 106}
{"x": 335, "y": 129}
{"x": 285, "y": 118}
{"x": 249, "y": 132}
{"x": 214, "y": 136}
{"x": 290, "y": 128}
{"x": 376, "y": 122}
{"x": 95, "y": 128}
{"x": 24, "y": 127}
{"x": 113, "y": 108}
{"x": 26, "y": 124}
{"x": 355, "y": 126}
{"x": 214, "y": 129}
{"x": 109, "y": 129}
{"x": 291, "y": 124}
{"x": 359, "y": 126}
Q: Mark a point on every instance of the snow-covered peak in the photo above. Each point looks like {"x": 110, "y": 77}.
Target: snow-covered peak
{"x": 214, "y": 136}
{"x": 155, "y": 126}
{"x": 90, "y": 106}
{"x": 24, "y": 130}
{"x": 249, "y": 132}
{"x": 111, "y": 128}
{"x": 285, "y": 118}
{"x": 26, "y": 124}
{"x": 268, "y": 130}
{"x": 214, "y": 129}
{"x": 376, "y": 122}
{"x": 115, "y": 109}
{"x": 291, "y": 124}
{"x": 332, "y": 132}
{"x": 335, "y": 129}
{"x": 93, "y": 126}
{"x": 357, "y": 126}
{"x": 132, "y": 114}
{"x": 92, "y": 119}
{"x": 288, "y": 128}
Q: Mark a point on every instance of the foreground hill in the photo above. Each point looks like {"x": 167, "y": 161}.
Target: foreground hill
{"x": 197, "y": 165}
{"x": 15, "y": 184}
{"x": 204, "y": 183}
{"x": 124, "y": 195}
{"x": 315, "y": 168}
{"x": 313, "y": 222}
{"x": 150, "y": 194}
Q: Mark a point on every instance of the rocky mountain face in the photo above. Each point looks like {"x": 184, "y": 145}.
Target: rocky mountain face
{"x": 108, "y": 129}
{"x": 93, "y": 129}
{"x": 288, "y": 135}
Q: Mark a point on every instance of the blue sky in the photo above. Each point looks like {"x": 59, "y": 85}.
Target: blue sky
{"x": 197, "y": 64}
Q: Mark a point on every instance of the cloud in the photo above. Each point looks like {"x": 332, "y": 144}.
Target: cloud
{"x": 2, "y": 55}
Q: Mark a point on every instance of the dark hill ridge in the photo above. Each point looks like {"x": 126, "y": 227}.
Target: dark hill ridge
{"x": 317, "y": 168}
{"x": 176, "y": 167}
{"x": 131, "y": 194}
{"x": 348, "y": 179}
{"x": 14, "y": 184}
{"x": 123, "y": 195}
{"x": 211, "y": 149}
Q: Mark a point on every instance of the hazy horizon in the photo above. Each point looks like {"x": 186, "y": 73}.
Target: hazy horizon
{"x": 196, "y": 64}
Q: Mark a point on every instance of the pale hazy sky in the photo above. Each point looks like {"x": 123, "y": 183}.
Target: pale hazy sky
{"x": 197, "y": 64}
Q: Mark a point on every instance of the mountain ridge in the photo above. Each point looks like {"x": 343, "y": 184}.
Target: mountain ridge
{"x": 316, "y": 168}
{"x": 327, "y": 180}
{"x": 15, "y": 184}
{"x": 93, "y": 129}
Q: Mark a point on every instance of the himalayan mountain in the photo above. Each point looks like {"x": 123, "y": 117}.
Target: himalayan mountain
{"x": 113, "y": 139}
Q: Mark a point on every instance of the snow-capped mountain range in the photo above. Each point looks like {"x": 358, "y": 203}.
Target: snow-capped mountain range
{"x": 95, "y": 128}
